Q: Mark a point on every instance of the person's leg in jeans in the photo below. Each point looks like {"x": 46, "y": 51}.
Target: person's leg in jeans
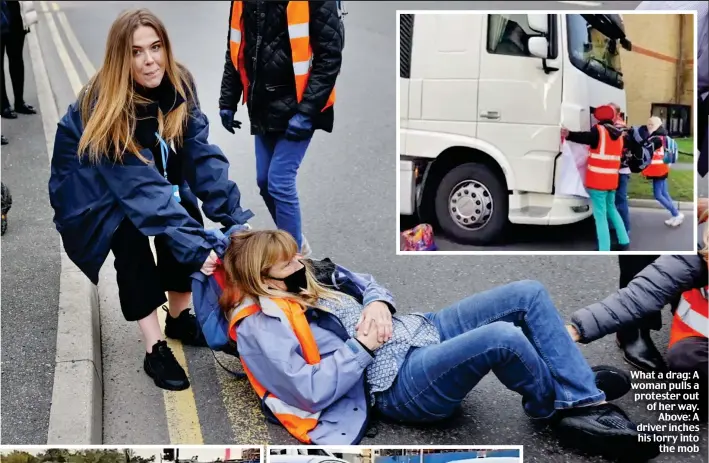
{"x": 265, "y": 144}
{"x": 282, "y": 172}
{"x": 662, "y": 195}
{"x": 621, "y": 200}
{"x": 600, "y": 217}
{"x": 616, "y": 219}
{"x": 537, "y": 358}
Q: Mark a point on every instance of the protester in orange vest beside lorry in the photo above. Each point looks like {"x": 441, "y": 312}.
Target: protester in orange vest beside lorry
{"x": 282, "y": 61}
{"x": 658, "y": 171}
{"x": 605, "y": 142}
{"x": 654, "y": 287}
{"x": 324, "y": 348}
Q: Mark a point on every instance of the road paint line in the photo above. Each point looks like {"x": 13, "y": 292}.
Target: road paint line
{"x": 71, "y": 73}
{"x": 75, "y": 45}
{"x": 183, "y": 424}
{"x": 583, "y": 3}
{"x": 242, "y": 406}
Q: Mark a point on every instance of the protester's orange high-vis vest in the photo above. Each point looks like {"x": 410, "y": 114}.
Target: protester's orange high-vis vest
{"x": 691, "y": 318}
{"x": 298, "y": 15}
{"x": 298, "y": 422}
{"x": 604, "y": 162}
{"x": 657, "y": 167}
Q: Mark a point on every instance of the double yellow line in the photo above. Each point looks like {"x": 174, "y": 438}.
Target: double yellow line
{"x": 180, "y": 407}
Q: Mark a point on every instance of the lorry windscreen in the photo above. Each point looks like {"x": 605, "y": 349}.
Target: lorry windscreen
{"x": 593, "y": 52}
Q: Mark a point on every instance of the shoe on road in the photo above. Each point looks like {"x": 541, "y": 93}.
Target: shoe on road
{"x": 184, "y": 328}
{"x": 614, "y": 382}
{"x": 639, "y": 350}
{"x": 604, "y": 430}
{"x": 24, "y": 108}
{"x": 162, "y": 366}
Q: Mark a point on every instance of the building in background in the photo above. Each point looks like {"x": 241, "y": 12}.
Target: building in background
{"x": 659, "y": 71}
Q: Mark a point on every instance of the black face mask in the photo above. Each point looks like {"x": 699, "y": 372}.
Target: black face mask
{"x": 295, "y": 282}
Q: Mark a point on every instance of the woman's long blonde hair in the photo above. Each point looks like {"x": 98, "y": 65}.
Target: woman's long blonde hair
{"x": 108, "y": 101}
{"x": 248, "y": 259}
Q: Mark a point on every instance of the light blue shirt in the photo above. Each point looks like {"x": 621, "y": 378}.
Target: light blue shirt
{"x": 702, "y": 62}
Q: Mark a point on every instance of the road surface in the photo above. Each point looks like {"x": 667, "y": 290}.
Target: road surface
{"x": 347, "y": 217}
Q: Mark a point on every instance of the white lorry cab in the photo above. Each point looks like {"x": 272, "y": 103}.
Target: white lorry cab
{"x": 302, "y": 455}
{"x": 482, "y": 98}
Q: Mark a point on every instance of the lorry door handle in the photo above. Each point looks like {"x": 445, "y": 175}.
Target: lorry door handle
{"x": 490, "y": 115}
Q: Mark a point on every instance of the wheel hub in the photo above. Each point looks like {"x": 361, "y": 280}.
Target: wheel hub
{"x": 470, "y": 205}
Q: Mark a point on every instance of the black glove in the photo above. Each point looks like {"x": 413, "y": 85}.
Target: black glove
{"x": 228, "y": 121}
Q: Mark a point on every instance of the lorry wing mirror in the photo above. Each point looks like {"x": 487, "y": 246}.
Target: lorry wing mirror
{"x": 539, "y": 47}
{"x": 538, "y": 23}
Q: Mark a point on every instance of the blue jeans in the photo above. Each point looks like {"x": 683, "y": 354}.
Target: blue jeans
{"x": 514, "y": 331}
{"x": 621, "y": 200}
{"x": 662, "y": 194}
{"x": 277, "y": 163}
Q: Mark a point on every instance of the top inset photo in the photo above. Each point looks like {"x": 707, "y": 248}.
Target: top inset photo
{"x": 548, "y": 132}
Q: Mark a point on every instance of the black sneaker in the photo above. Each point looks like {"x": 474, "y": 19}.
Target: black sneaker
{"x": 162, "y": 366}
{"x": 5, "y": 141}
{"x": 604, "y": 430}
{"x": 614, "y": 382}
{"x": 184, "y": 328}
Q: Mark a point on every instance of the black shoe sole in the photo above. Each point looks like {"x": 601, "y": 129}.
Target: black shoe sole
{"x": 622, "y": 447}
{"x": 621, "y": 381}
{"x": 162, "y": 385}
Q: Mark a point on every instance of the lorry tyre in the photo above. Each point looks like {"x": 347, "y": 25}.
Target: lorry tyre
{"x": 471, "y": 204}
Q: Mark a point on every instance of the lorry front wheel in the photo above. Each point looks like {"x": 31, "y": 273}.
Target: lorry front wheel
{"x": 471, "y": 204}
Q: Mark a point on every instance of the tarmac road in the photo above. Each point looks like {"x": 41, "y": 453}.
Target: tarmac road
{"x": 348, "y": 217}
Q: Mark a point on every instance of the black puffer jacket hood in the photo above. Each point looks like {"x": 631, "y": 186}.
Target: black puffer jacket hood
{"x": 268, "y": 64}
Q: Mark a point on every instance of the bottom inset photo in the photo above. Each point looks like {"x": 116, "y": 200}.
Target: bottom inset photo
{"x": 138, "y": 454}
{"x": 491, "y": 454}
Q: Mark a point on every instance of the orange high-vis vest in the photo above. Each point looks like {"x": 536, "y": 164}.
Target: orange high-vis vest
{"x": 604, "y": 162}
{"x": 657, "y": 167}
{"x": 298, "y": 15}
{"x": 691, "y": 318}
{"x": 298, "y": 422}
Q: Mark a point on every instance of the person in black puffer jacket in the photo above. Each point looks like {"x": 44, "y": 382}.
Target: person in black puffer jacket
{"x": 289, "y": 92}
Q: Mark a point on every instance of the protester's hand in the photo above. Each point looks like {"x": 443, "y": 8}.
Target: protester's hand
{"x": 300, "y": 127}
{"x": 370, "y": 340}
{"x": 564, "y": 132}
{"x": 210, "y": 264}
{"x": 573, "y": 333}
{"x": 702, "y": 206}
{"x": 379, "y": 313}
{"x": 228, "y": 121}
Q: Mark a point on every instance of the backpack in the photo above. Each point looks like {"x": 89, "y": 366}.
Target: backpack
{"x": 671, "y": 151}
{"x": 419, "y": 238}
{"x": 639, "y": 150}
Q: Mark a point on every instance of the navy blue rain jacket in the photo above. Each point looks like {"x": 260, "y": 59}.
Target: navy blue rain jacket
{"x": 91, "y": 200}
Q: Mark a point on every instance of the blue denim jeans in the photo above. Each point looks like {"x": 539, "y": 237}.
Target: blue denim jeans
{"x": 514, "y": 331}
{"x": 662, "y": 194}
{"x": 621, "y": 200}
{"x": 277, "y": 163}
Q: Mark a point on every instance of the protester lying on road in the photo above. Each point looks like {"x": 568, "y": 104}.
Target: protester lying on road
{"x": 666, "y": 278}
{"x": 119, "y": 176}
{"x": 605, "y": 142}
{"x": 321, "y": 345}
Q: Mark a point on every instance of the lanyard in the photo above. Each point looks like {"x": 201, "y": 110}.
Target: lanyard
{"x": 165, "y": 152}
